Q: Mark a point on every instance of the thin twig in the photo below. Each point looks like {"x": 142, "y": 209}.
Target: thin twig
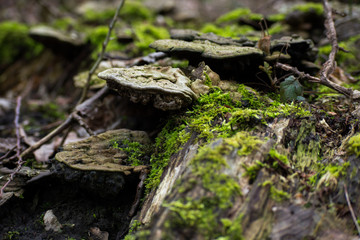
{"x": 48, "y": 137}
{"x": 351, "y": 210}
{"x": 139, "y": 190}
{"x": 348, "y": 92}
{"x": 67, "y": 122}
{"x": 18, "y": 146}
{"x": 81, "y": 102}
{"x": 99, "y": 59}
{"x": 7, "y": 153}
{"x": 329, "y": 66}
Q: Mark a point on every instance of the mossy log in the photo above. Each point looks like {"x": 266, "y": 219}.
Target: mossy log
{"x": 257, "y": 184}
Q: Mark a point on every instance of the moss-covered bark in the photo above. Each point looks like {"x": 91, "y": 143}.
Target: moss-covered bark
{"x": 266, "y": 180}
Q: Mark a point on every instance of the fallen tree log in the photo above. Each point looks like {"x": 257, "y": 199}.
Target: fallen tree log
{"x": 271, "y": 182}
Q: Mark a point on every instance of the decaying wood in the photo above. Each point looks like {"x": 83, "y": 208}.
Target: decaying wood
{"x": 173, "y": 172}
{"x": 262, "y": 215}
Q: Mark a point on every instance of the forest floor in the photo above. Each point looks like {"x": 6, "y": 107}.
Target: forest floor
{"x": 42, "y": 77}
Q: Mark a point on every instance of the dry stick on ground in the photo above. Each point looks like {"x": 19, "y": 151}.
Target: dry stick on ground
{"x": 329, "y": 66}
{"x": 18, "y": 146}
{"x": 353, "y": 216}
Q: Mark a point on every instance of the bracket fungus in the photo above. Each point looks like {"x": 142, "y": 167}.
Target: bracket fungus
{"x": 226, "y": 60}
{"x": 69, "y": 44}
{"x": 97, "y": 164}
{"x": 166, "y": 88}
{"x": 235, "y": 58}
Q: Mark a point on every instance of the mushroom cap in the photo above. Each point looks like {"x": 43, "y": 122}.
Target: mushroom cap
{"x": 68, "y": 44}
{"x": 296, "y": 47}
{"x": 229, "y": 61}
{"x": 96, "y": 154}
{"x": 166, "y": 87}
{"x": 191, "y": 35}
{"x": 206, "y": 49}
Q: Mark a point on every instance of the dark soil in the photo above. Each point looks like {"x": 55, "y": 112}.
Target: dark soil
{"x": 76, "y": 209}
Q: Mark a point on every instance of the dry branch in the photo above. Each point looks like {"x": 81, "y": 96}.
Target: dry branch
{"x": 329, "y": 66}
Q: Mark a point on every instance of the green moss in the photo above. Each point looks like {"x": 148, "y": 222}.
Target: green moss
{"x": 167, "y": 143}
{"x": 104, "y": 16}
{"x": 276, "y": 194}
{"x": 146, "y": 34}
{"x": 217, "y": 115}
{"x": 329, "y": 175}
{"x": 132, "y": 11}
{"x": 180, "y": 63}
{"x": 308, "y": 147}
{"x": 207, "y": 165}
{"x": 276, "y": 17}
{"x": 276, "y": 28}
{"x": 133, "y": 228}
{"x": 238, "y": 13}
{"x": 64, "y": 23}
{"x": 135, "y": 11}
{"x": 353, "y": 145}
{"x": 10, "y": 235}
{"x": 276, "y": 155}
{"x": 316, "y": 7}
{"x": 226, "y": 31}
{"x": 253, "y": 169}
{"x": 201, "y": 215}
{"x": 196, "y": 214}
{"x": 137, "y": 153}
{"x": 208, "y": 116}
{"x": 97, "y": 35}
{"x": 15, "y": 43}
{"x": 341, "y": 56}
{"x": 245, "y": 142}
{"x": 49, "y": 111}
{"x": 232, "y": 228}
{"x": 349, "y": 61}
